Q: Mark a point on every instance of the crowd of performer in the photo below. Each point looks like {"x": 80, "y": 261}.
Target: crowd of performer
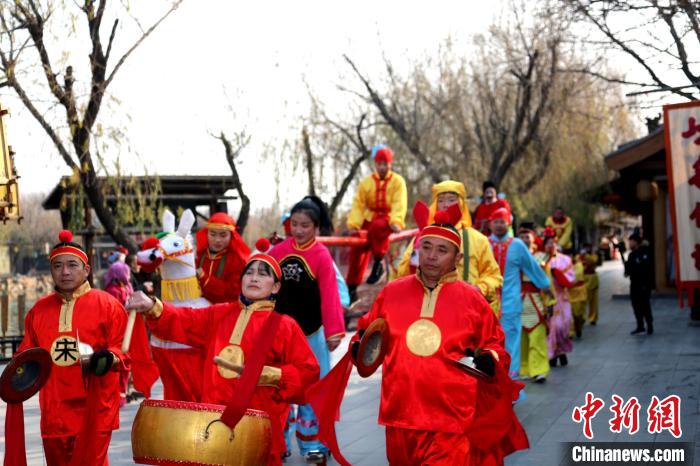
{"x": 511, "y": 299}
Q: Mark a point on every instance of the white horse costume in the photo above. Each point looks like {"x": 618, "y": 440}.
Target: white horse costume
{"x": 180, "y": 365}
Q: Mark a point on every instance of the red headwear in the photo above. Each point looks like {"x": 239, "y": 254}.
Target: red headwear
{"x": 67, "y": 246}
{"x": 501, "y": 214}
{"x": 382, "y": 153}
{"x": 220, "y": 221}
{"x": 440, "y": 230}
{"x": 549, "y": 233}
{"x": 269, "y": 260}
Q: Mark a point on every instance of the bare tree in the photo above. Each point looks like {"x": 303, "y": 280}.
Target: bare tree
{"x": 513, "y": 96}
{"x": 511, "y": 111}
{"x": 662, "y": 34}
{"x": 402, "y": 116}
{"x": 233, "y": 148}
{"x": 25, "y": 25}
{"x": 340, "y": 146}
{"x": 490, "y": 111}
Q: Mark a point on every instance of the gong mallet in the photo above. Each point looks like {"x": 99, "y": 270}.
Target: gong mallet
{"x": 126, "y": 342}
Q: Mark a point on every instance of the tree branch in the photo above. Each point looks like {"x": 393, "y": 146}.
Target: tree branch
{"x": 231, "y": 155}
{"x": 139, "y": 41}
{"x": 309, "y": 159}
{"x": 397, "y": 125}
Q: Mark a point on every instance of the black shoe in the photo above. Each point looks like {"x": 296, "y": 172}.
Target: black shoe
{"x": 593, "y": 323}
{"x": 578, "y": 333}
{"x": 315, "y": 457}
{"x": 553, "y": 362}
{"x": 564, "y": 360}
{"x": 637, "y": 331}
{"x": 650, "y": 330}
{"x": 540, "y": 379}
{"x": 377, "y": 271}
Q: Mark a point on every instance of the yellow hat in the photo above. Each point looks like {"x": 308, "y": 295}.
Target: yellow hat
{"x": 458, "y": 188}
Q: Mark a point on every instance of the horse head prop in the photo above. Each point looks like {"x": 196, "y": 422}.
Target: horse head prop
{"x": 173, "y": 253}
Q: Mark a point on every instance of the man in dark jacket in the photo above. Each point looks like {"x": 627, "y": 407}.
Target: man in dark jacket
{"x": 639, "y": 268}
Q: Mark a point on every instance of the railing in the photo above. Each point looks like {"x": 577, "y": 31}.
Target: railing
{"x": 17, "y": 295}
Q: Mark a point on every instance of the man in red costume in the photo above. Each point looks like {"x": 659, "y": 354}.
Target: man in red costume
{"x": 379, "y": 208}
{"x": 489, "y": 204}
{"x": 77, "y": 423}
{"x": 434, "y": 412}
{"x": 221, "y": 256}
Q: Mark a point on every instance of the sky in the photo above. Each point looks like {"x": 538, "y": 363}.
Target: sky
{"x": 219, "y": 65}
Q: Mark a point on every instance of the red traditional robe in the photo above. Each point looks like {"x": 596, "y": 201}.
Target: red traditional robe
{"x": 290, "y": 365}
{"x": 430, "y": 406}
{"x": 483, "y": 212}
{"x": 55, "y": 323}
{"x": 221, "y": 282}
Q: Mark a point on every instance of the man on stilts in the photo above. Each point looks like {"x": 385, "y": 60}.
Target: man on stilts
{"x": 379, "y": 208}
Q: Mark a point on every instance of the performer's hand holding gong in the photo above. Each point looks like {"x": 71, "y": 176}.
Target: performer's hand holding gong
{"x": 479, "y": 363}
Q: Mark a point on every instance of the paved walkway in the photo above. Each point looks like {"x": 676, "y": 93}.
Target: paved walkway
{"x": 606, "y": 361}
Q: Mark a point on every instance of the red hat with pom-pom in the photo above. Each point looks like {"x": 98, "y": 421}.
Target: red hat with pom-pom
{"x": 67, "y": 246}
{"x": 269, "y": 260}
{"x": 442, "y": 228}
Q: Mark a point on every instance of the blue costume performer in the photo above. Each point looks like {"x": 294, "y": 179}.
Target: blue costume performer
{"x": 514, "y": 259}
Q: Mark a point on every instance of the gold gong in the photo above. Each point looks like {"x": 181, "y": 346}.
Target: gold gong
{"x": 178, "y": 432}
{"x": 234, "y": 355}
{"x": 423, "y": 337}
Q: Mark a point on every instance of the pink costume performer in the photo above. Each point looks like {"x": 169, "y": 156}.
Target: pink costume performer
{"x": 563, "y": 276}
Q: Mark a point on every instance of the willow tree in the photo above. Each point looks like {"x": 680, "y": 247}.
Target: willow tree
{"x": 30, "y": 67}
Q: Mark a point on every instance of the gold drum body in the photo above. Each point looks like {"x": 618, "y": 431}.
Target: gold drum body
{"x": 167, "y": 432}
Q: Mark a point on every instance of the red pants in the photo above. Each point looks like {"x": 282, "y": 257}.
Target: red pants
{"x": 378, "y": 232}
{"x": 180, "y": 372}
{"x": 408, "y": 446}
{"x": 59, "y": 450}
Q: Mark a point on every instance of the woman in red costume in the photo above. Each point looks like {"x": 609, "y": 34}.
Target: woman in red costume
{"x": 221, "y": 256}
{"x": 229, "y": 332}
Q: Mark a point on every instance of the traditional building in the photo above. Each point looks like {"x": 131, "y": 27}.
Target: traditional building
{"x": 640, "y": 187}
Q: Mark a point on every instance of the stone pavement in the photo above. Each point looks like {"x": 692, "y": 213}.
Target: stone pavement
{"x": 606, "y": 361}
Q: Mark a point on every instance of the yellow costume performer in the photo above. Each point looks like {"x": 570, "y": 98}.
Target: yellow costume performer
{"x": 563, "y": 227}
{"x": 590, "y": 277}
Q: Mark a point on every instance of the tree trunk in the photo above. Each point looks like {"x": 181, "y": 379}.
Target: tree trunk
{"x": 309, "y": 160}
{"x": 104, "y": 214}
